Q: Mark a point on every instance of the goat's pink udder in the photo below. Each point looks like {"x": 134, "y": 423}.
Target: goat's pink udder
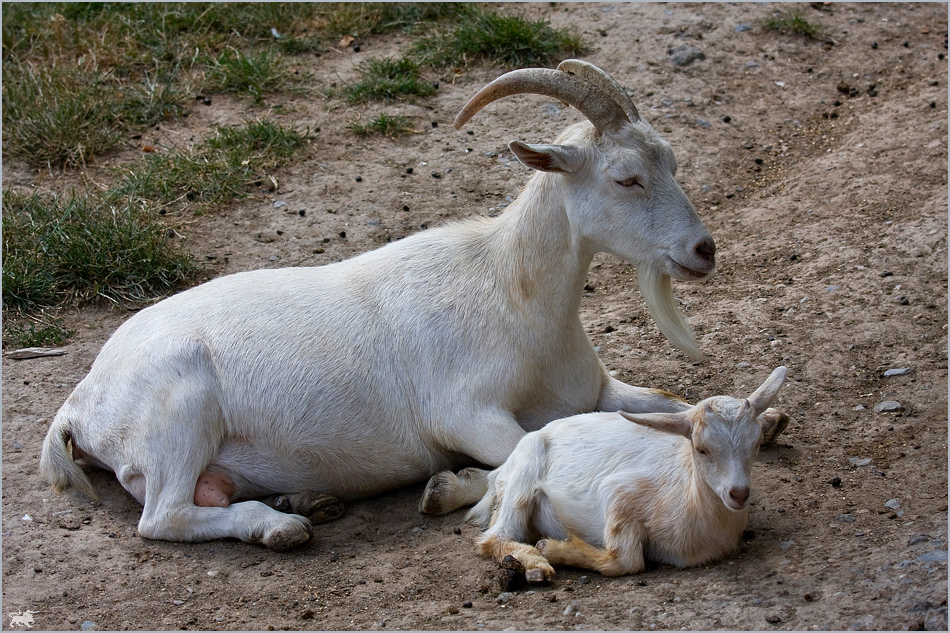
{"x": 213, "y": 490}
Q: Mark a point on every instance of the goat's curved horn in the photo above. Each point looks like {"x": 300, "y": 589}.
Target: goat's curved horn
{"x": 599, "y": 108}
{"x": 603, "y": 81}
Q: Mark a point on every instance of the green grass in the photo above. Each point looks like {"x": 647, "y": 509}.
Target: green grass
{"x": 507, "y": 40}
{"x": 216, "y": 171}
{"x": 83, "y": 248}
{"x": 383, "y": 125}
{"x": 251, "y": 72}
{"x": 373, "y": 18}
{"x": 60, "y": 116}
{"x": 792, "y": 23}
{"x": 388, "y": 79}
{"x": 50, "y": 333}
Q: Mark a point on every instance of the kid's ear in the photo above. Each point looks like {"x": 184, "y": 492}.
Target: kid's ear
{"x": 675, "y": 423}
{"x": 561, "y": 159}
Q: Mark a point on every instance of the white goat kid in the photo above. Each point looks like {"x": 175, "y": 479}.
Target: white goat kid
{"x": 609, "y": 495}
{"x": 437, "y": 351}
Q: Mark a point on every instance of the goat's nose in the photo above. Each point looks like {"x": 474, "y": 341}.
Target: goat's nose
{"x": 739, "y": 494}
{"x": 706, "y": 249}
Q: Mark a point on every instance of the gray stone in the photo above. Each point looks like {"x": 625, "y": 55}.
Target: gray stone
{"x": 88, "y": 625}
{"x": 893, "y": 504}
{"x": 859, "y": 461}
{"x": 898, "y": 371}
{"x": 845, "y": 518}
{"x": 889, "y": 406}
{"x": 740, "y": 28}
{"x": 684, "y": 55}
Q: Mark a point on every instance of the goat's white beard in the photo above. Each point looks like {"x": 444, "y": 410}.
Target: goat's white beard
{"x": 657, "y": 292}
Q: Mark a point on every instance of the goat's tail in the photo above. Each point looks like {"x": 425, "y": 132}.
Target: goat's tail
{"x": 56, "y": 462}
{"x": 657, "y": 292}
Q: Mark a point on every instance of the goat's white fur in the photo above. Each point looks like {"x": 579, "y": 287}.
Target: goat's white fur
{"x": 609, "y": 495}
{"x": 436, "y": 351}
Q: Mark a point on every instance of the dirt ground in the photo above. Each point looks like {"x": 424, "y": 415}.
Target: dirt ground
{"x": 821, "y": 169}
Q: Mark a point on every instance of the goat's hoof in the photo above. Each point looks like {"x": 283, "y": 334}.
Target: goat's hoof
{"x": 317, "y": 507}
{"x": 278, "y": 502}
{"x": 534, "y": 575}
{"x": 773, "y": 424}
{"x": 437, "y": 493}
{"x": 288, "y": 536}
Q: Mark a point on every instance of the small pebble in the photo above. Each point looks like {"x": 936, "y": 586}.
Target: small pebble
{"x": 918, "y": 538}
{"x": 359, "y": 179}
{"x": 859, "y": 461}
{"x": 88, "y": 625}
{"x": 583, "y": 580}
{"x": 893, "y": 504}
{"x": 835, "y": 482}
{"x": 466, "y": 605}
{"x": 456, "y": 530}
{"x": 773, "y": 619}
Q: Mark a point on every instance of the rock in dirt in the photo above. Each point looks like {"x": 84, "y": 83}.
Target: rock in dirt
{"x": 889, "y": 406}
{"x": 684, "y": 55}
{"x": 898, "y": 371}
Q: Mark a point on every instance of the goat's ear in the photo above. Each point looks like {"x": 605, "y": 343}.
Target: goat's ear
{"x": 561, "y": 159}
{"x": 676, "y": 423}
{"x": 761, "y": 399}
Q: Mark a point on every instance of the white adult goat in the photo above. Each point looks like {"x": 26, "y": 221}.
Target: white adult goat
{"x": 436, "y": 351}
{"x": 609, "y": 495}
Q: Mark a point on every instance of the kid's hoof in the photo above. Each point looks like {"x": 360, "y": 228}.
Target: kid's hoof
{"x": 773, "y": 424}
{"x": 534, "y": 575}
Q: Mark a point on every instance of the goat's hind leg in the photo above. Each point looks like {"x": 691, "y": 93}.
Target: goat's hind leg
{"x": 316, "y": 506}
{"x": 176, "y": 432}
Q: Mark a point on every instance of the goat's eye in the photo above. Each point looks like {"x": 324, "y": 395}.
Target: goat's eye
{"x": 633, "y": 181}
{"x": 701, "y": 450}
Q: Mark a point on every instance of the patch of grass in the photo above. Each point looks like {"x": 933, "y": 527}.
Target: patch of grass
{"x": 508, "y": 40}
{"x": 50, "y": 333}
{"x": 792, "y": 23}
{"x": 252, "y": 72}
{"x": 82, "y": 248}
{"x": 364, "y": 18}
{"x": 218, "y": 170}
{"x": 387, "y": 79}
{"x": 383, "y": 125}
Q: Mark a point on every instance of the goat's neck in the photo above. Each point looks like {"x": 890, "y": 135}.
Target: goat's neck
{"x": 547, "y": 262}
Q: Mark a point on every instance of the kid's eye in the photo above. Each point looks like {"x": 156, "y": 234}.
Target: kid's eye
{"x": 701, "y": 451}
{"x": 633, "y": 181}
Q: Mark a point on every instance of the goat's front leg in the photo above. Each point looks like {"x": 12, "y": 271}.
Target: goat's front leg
{"x": 619, "y": 396}
{"x": 537, "y": 567}
{"x": 489, "y": 439}
{"x": 448, "y": 491}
